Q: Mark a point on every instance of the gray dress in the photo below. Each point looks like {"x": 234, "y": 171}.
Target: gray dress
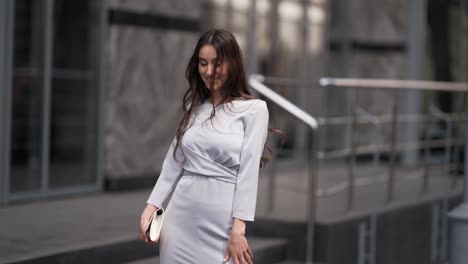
{"x": 213, "y": 180}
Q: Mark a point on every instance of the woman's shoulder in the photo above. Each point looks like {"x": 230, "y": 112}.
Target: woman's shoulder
{"x": 251, "y": 108}
{"x": 252, "y": 103}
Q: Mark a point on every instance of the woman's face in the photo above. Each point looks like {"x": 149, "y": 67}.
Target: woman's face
{"x": 207, "y": 62}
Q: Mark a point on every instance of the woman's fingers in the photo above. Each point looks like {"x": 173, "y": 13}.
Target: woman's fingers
{"x": 242, "y": 259}
{"x": 248, "y": 258}
{"x": 249, "y": 251}
{"x": 144, "y": 219}
{"x": 226, "y": 255}
{"x": 248, "y": 254}
{"x": 235, "y": 260}
{"x": 145, "y": 216}
{"x": 141, "y": 230}
{"x": 238, "y": 249}
{"x": 140, "y": 233}
{"x": 151, "y": 242}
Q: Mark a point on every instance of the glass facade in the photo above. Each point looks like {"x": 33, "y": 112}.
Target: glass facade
{"x": 55, "y": 87}
{"x": 27, "y": 95}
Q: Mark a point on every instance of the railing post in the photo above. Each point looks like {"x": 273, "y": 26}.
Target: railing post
{"x": 393, "y": 143}
{"x": 459, "y": 216}
{"x": 6, "y": 62}
{"x": 301, "y": 89}
{"x": 352, "y": 141}
{"x": 448, "y": 135}
{"x": 371, "y": 244}
{"x": 437, "y": 113}
{"x": 312, "y": 198}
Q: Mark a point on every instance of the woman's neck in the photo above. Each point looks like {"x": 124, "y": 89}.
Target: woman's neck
{"x": 215, "y": 98}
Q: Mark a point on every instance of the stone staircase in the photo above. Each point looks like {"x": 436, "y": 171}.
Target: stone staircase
{"x": 102, "y": 228}
{"x": 267, "y": 251}
{"x": 99, "y": 228}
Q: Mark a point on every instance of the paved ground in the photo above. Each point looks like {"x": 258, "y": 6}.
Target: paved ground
{"x": 48, "y": 227}
{"x": 45, "y": 228}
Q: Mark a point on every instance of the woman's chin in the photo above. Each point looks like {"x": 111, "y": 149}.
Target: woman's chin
{"x": 216, "y": 88}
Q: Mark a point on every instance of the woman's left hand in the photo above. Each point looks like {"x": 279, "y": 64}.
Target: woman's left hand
{"x": 238, "y": 249}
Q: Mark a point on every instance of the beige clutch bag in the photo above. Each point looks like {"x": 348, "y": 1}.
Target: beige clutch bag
{"x": 153, "y": 228}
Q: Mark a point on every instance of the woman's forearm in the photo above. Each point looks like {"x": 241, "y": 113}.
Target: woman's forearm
{"x": 238, "y": 227}
{"x": 152, "y": 205}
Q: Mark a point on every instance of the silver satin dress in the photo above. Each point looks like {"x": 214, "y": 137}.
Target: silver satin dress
{"x": 213, "y": 180}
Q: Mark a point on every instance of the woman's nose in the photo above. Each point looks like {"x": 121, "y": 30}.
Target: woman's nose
{"x": 209, "y": 70}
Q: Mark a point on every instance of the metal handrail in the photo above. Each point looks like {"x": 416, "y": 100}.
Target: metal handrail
{"x": 395, "y": 84}
{"x": 386, "y": 118}
{"x": 255, "y": 81}
{"x": 373, "y": 83}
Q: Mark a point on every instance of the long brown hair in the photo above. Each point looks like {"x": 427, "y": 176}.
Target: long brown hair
{"x": 235, "y": 86}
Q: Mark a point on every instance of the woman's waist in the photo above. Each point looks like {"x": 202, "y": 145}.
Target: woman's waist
{"x": 229, "y": 178}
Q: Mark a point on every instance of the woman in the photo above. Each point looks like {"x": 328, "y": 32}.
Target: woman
{"x": 213, "y": 162}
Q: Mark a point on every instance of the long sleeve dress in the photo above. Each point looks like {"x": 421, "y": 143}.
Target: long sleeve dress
{"x": 213, "y": 180}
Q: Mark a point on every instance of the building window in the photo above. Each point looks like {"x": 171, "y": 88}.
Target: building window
{"x": 55, "y": 97}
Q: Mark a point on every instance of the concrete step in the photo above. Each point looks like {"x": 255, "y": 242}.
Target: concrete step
{"x": 152, "y": 260}
{"x": 292, "y": 262}
{"x": 265, "y": 250}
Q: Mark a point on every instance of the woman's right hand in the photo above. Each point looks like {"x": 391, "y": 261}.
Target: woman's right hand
{"x": 145, "y": 216}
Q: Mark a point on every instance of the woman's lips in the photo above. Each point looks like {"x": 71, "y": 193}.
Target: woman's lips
{"x": 208, "y": 81}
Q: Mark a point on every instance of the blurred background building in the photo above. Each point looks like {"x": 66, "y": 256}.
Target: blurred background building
{"x": 90, "y": 90}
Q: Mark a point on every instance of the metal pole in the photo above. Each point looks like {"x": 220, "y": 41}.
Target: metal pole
{"x": 47, "y": 93}
{"x": 427, "y": 163}
{"x": 372, "y": 233}
{"x": 6, "y": 63}
{"x": 301, "y": 91}
{"x": 251, "y": 39}
{"x": 459, "y": 216}
{"x": 271, "y": 188}
{"x": 439, "y": 114}
{"x": 413, "y": 98}
{"x": 393, "y": 142}
{"x": 352, "y": 141}
{"x": 102, "y": 88}
{"x": 273, "y": 62}
{"x": 464, "y": 37}
{"x": 346, "y": 53}
{"x": 313, "y": 168}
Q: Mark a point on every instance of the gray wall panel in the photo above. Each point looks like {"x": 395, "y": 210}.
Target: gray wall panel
{"x": 146, "y": 84}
